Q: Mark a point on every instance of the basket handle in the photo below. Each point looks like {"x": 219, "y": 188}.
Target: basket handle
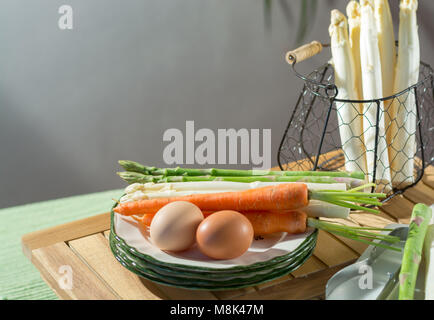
{"x": 304, "y": 52}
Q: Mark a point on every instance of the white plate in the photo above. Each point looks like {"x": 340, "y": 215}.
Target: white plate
{"x": 261, "y": 250}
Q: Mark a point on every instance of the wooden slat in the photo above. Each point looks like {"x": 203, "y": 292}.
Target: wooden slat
{"x": 85, "y": 284}
{"x": 312, "y": 265}
{"x": 64, "y": 232}
{"x": 61, "y": 294}
{"x": 399, "y": 207}
{"x": 331, "y": 251}
{"x": 306, "y": 164}
{"x": 299, "y": 288}
{"x": 355, "y": 245}
{"x": 184, "y": 294}
{"x": 371, "y": 217}
{"x": 345, "y": 222}
{"x": 95, "y": 251}
{"x": 428, "y": 177}
{"x": 274, "y": 282}
{"x": 232, "y": 294}
{"x": 420, "y": 193}
{"x": 372, "y": 220}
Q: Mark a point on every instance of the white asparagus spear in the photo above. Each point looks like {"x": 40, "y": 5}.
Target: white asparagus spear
{"x": 350, "y": 124}
{"x": 372, "y": 89}
{"x": 139, "y": 191}
{"x": 220, "y": 186}
{"x": 402, "y": 137}
{"x": 353, "y": 13}
{"x": 386, "y": 45}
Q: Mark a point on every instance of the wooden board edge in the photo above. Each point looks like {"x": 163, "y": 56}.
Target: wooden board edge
{"x": 53, "y": 286}
{"x": 64, "y": 232}
{"x": 94, "y": 251}
{"x": 48, "y": 261}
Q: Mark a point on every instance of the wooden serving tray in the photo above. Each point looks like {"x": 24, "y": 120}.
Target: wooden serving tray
{"x": 83, "y": 246}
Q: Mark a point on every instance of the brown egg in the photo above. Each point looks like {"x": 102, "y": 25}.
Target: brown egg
{"x": 173, "y": 227}
{"x": 224, "y": 235}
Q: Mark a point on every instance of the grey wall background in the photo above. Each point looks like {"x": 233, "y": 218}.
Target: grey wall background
{"x": 74, "y": 102}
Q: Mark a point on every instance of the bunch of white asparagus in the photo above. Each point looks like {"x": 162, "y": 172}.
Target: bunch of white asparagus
{"x": 366, "y": 68}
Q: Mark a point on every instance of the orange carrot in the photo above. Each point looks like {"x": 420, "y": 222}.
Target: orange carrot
{"x": 292, "y": 222}
{"x": 263, "y": 222}
{"x": 291, "y": 196}
{"x": 145, "y": 220}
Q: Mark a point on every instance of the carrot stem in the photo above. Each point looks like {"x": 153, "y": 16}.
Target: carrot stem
{"x": 354, "y": 233}
{"x": 349, "y": 198}
{"x": 369, "y": 242}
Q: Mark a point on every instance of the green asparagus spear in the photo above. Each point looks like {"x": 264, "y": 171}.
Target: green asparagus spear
{"x": 419, "y": 222}
{"x": 428, "y": 253}
{"x": 136, "y": 177}
{"x": 137, "y": 167}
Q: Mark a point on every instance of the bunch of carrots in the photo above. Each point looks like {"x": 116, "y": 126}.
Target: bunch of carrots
{"x": 263, "y": 222}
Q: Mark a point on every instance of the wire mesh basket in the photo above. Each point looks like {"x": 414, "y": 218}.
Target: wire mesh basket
{"x": 399, "y": 147}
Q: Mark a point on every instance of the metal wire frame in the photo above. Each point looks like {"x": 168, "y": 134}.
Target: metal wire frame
{"x": 322, "y": 89}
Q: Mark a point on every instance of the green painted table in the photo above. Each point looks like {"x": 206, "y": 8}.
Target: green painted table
{"x": 19, "y": 279}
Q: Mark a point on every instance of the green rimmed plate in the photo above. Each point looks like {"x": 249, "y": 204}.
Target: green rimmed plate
{"x": 262, "y": 254}
{"x": 215, "y": 277}
{"x": 140, "y": 269}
